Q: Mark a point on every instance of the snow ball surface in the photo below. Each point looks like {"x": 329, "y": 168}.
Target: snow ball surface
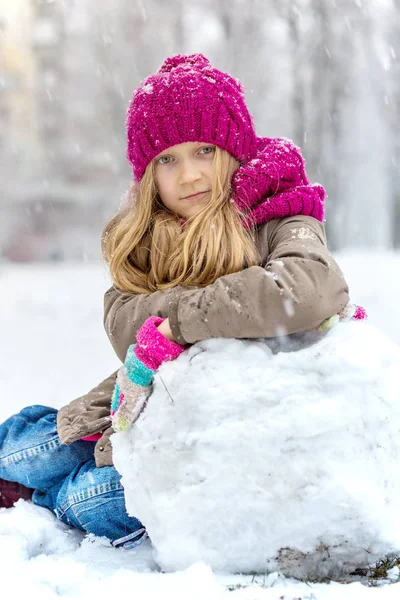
{"x": 271, "y": 455}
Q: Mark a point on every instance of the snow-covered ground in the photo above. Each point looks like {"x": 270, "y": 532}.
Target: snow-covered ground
{"x": 54, "y": 349}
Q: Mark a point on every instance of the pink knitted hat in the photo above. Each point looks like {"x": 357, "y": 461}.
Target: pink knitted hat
{"x": 187, "y": 100}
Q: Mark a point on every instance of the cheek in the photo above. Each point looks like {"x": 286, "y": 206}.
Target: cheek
{"x": 165, "y": 189}
{"x": 164, "y": 181}
{"x": 210, "y": 169}
{"x": 161, "y": 185}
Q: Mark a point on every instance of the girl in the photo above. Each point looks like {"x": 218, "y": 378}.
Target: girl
{"x": 221, "y": 236}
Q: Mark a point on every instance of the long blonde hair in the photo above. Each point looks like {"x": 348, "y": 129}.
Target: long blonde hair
{"x": 147, "y": 249}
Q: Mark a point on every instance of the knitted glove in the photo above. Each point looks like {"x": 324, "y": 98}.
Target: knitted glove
{"x": 348, "y": 313}
{"x": 134, "y": 379}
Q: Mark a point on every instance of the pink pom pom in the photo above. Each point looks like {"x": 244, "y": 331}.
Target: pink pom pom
{"x": 199, "y": 60}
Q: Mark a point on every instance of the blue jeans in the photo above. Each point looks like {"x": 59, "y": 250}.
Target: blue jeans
{"x": 65, "y": 479}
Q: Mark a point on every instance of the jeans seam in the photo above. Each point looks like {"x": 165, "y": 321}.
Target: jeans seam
{"x": 16, "y": 457}
{"x": 73, "y": 499}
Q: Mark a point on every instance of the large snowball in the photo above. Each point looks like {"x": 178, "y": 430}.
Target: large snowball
{"x": 254, "y": 459}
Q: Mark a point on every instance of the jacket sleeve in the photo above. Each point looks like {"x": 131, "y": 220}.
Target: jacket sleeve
{"x": 125, "y": 313}
{"x": 88, "y": 414}
{"x": 298, "y": 287}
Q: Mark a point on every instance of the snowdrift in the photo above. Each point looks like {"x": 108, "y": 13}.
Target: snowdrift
{"x": 267, "y": 455}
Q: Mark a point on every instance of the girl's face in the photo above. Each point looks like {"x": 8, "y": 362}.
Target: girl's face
{"x": 184, "y": 175}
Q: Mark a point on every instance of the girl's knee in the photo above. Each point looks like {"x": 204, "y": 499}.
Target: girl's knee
{"x": 31, "y": 426}
{"x": 31, "y": 451}
{"x": 35, "y": 412}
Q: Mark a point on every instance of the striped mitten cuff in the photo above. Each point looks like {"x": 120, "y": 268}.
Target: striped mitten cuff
{"x": 135, "y": 377}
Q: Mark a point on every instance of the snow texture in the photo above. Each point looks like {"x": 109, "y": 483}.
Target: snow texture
{"x": 253, "y": 457}
{"x": 54, "y": 312}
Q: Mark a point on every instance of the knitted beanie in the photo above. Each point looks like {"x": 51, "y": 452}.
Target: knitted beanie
{"x": 188, "y": 100}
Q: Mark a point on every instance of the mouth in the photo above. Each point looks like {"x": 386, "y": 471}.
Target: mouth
{"x": 194, "y": 196}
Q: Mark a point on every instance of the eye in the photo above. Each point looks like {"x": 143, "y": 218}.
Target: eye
{"x": 209, "y": 149}
{"x": 161, "y": 160}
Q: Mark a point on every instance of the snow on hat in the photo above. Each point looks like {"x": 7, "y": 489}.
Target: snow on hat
{"x": 187, "y": 100}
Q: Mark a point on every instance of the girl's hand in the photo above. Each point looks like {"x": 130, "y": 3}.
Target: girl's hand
{"x": 165, "y": 329}
{"x": 134, "y": 380}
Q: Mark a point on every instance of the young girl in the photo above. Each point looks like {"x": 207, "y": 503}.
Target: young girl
{"x": 221, "y": 236}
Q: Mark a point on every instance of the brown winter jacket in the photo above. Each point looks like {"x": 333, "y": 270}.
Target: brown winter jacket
{"x": 296, "y": 286}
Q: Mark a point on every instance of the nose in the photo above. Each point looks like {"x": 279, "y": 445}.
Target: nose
{"x": 189, "y": 172}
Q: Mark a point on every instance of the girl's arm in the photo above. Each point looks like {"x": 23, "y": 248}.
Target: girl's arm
{"x": 87, "y": 415}
{"x": 299, "y": 286}
{"x": 135, "y": 377}
{"x": 125, "y": 313}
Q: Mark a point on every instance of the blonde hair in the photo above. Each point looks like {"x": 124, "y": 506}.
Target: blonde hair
{"x": 147, "y": 249}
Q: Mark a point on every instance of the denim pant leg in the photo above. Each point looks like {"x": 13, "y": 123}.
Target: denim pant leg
{"x": 31, "y": 452}
{"x": 92, "y": 499}
{"x": 65, "y": 478}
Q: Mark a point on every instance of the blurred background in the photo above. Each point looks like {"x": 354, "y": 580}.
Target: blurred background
{"x": 324, "y": 73}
